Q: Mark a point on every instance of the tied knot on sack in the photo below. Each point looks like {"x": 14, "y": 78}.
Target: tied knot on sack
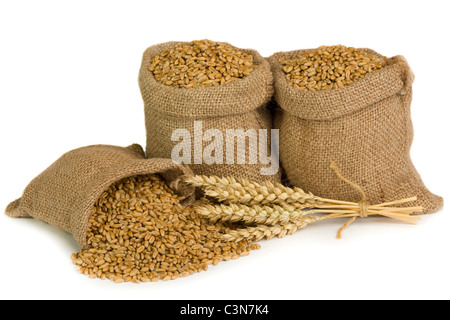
{"x": 364, "y": 209}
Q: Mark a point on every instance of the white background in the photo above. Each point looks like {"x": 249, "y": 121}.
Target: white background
{"x": 68, "y": 78}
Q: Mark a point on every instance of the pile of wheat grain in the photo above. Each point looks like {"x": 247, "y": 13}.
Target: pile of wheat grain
{"x": 330, "y": 67}
{"x": 140, "y": 232}
{"x": 201, "y": 63}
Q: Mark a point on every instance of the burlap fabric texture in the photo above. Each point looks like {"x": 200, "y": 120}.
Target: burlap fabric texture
{"x": 64, "y": 194}
{"x": 241, "y": 104}
{"x": 365, "y": 128}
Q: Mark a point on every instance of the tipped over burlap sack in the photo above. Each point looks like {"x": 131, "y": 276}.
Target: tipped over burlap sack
{"x": 241, "y": 104}
{"x": 364, "y": 127}
{"x": 64, "y": 194}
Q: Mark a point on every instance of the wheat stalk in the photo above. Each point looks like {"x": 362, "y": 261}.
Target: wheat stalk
{"x": 243, "y": 191}
{"x": 277, "y": 208}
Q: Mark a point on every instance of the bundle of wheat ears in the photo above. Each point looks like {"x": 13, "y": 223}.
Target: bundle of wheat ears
{"x": 265, "y": 210}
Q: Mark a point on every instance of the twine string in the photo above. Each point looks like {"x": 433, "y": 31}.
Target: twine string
{"x": 364, "y": 209}
{"x": 363, "y": 206}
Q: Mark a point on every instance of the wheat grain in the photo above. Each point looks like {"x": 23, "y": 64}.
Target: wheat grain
{"x": 139, "y": 232}
{"x": 329, "y": 67}
{"x": 201, "y": 63}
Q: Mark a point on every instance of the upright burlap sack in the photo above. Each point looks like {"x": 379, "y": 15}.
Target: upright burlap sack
{"x": 241, "y": 104}
{"x": 64, "y": 194}
{"x": 365, "y": 128}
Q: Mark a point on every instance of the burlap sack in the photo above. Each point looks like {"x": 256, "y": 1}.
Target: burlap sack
{"x": 241, "y": 104}
{"x": 365, "y": 128}
{"x": 64, "y": 194}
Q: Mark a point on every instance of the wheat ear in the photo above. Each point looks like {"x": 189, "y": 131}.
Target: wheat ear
{"x": 261, "y": 231}
{"x": 248, "y": 192}
{"x": 233, "y": 212}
